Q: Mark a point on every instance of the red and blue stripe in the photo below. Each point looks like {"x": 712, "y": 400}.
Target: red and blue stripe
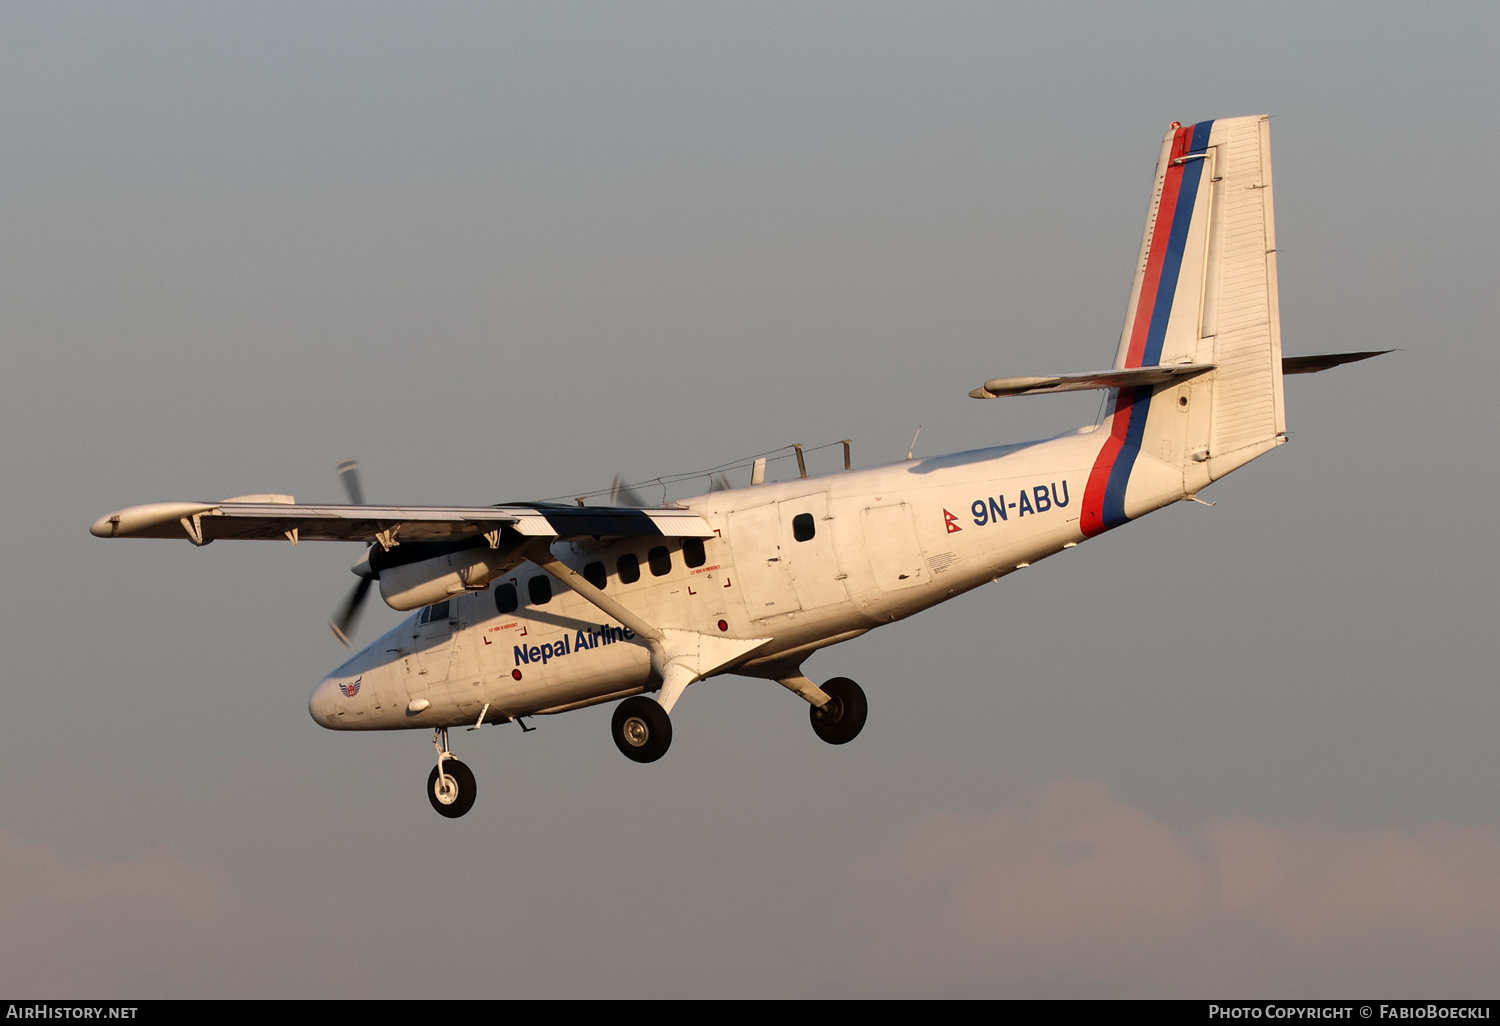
{"x": 1104, "y": 496}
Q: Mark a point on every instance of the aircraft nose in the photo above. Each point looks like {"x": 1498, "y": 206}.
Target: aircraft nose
{"x": 324, "y": 703}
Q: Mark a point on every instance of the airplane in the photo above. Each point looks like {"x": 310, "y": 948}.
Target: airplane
{"x": 532, "y": 609}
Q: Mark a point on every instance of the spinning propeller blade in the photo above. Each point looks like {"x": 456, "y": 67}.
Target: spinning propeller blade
{"x": 349, "y": 474}
{"x": 343, "y": 622}
{"x": 621, "y": 494}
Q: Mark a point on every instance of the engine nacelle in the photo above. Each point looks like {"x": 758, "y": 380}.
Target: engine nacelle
{"x": 422, "y": 582}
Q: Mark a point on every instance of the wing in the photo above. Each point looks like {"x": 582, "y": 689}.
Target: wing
{"x": 274, "y": 517}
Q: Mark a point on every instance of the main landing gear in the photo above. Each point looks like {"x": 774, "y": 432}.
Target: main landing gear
{"x": 839, "y": 720}
{"x": 642, "y": 729}
{"x": 450, "y": 785}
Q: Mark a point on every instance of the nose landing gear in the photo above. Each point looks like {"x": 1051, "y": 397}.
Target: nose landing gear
{"x": 450, "y": 785}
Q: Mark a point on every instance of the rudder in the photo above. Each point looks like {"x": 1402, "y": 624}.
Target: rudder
{"x": 1241, "y": 309}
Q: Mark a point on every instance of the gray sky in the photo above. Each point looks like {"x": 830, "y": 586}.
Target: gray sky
{"x": 502, "y": 251}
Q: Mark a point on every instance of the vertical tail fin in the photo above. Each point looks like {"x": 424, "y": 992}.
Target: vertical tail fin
{"x": 1204, "y": 292}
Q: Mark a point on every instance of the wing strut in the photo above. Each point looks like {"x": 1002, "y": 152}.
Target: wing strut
{"x": 678, "y": 657}
{"x": 540, "y": 553}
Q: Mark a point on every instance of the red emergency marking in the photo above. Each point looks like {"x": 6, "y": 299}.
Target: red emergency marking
{"x": 516, "y": 673}
{"x": 723, "y": 625}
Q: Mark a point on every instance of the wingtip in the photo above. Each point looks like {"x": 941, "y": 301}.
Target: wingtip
{"x": 134, "y": 519}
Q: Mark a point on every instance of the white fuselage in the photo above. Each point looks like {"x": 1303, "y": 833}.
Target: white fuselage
{"x": 885, "y": 543}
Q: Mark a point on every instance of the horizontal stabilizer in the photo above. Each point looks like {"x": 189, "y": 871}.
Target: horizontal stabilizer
{"x": 1119, "y": 377}
{"x": 1313, "y": 364}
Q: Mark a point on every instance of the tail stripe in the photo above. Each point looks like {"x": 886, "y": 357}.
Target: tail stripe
{"x": 1104, "y": 496}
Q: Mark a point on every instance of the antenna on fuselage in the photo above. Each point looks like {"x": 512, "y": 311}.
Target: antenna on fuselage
{"x": 914, "y": 442}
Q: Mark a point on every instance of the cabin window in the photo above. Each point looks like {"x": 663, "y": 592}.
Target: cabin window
{"x": 692, "y": 552}
{"x": 595, "y": 575}
{"x": 506, "y": 600}
{"x": 803, "y": 527}
{"x": 660, "y": 560}
{"x": 539, "y": 588}
{"x": 629, "y": 568}
{"x": 434, "y": 613}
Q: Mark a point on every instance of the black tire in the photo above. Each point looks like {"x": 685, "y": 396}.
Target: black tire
{"x": 448, "y": 803}
{"x": 642, "y": 729}
{"x": 841, "y": 720}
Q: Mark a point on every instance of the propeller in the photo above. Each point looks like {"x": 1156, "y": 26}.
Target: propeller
{"x": 343, "y": 622}
{"x": 621, "y": 494}
{"x": 346, "y": 617}
{"x": 349, "y": 474}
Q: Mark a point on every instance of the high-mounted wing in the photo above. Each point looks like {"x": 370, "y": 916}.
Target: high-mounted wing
{"x": 273, "y": 517}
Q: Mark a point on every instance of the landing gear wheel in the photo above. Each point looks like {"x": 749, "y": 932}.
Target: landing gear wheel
{"x": 642, "y": 729}
{"x": 841, "y": 720}
{"x": 453, "y": 795}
